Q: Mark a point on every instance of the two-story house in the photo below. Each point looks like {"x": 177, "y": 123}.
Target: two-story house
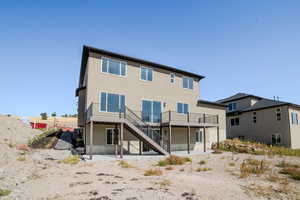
{"x": 130, "y": 105}
{"x": 264, "y": 120}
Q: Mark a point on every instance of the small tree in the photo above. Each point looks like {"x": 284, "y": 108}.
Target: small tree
{"x": 44, "y": 116}
{"x": 53, "y": 114}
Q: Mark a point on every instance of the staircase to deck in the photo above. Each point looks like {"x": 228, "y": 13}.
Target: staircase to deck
{"x": 143, "y": 131}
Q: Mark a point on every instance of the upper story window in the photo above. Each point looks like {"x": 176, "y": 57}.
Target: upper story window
{"x": 278, "y": 114}
{"x": 172, "y": 78}
{"x": 294, "y": 118}
{"x": 254, "y": 118}
{"x": 232, "y": 107}
{"x": 146, "y": 74}
{"x": 113, "y": 67}
{"x": 112, "y": 102}
{"x": 182, "y": 108}
{"x": 235, "y": 121}
{"x": 187, "y": 83}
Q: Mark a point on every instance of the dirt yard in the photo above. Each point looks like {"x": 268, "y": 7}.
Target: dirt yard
{"x": 41, "y": 174}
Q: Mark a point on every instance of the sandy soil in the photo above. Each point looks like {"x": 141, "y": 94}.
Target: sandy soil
{"x": 41, "y": 176}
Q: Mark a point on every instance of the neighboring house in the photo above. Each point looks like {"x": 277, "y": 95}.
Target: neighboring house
{"x": 129, "y": 105}
{"x": 264, "y": 120}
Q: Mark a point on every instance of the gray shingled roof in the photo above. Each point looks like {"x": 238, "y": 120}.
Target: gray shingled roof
{"x": 236, "y": 97}
{"x": 265, "y": 103}
{"x": 262, "y": 103}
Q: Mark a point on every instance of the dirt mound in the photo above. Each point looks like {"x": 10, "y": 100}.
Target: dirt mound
{"x": 14, "y": 131}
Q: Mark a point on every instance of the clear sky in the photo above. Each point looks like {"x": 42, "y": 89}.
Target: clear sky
{"x": 240, "y": 46}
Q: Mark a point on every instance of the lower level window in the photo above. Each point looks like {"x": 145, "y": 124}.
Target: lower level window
{"x": 276, "y": 139}
{"x": 199, "y": 136}
{"x": 112, "y": 136}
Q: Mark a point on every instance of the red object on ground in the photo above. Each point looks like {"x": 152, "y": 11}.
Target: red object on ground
{"x": 38, "y": 125}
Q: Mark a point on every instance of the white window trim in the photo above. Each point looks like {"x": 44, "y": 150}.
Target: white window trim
{"x": 276, "y": 112}
{"x": 200, "y": 136}
{"x": 297, "y": 118}
{"x": 101, "y": 70}
{"x": 188, "y": 83}
{"x": 276, "y": 135}
{"x": 142, "y": 66}
{"x": 182, "y": 108}
{"x": 107, "y": 102}
{"x": 172, "y": 78}
{"x": 161, "y": 108}
{"x": 232, "y": 106}
{"x": 112, "y": 135}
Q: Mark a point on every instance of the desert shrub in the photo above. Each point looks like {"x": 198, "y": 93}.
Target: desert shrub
{"x": 294, "y": 173}
{"x": 202, "y": 162}
{"x": 251, "y": 166}
{"x": 124, "y": 164}
{"x": 203, "y": 169}
{"x": 255, "y": 148}
{"x": 41, "y": 136}
{"x": 231, "y": 164}
{"x": 162, "y": 163}
{"x": 4, "y": 192}
{"x": 72, "y": 160}
{"x": 284, "y": 164}
{"x": 174, "y": 160}
{"x": 21, "y": 158}
{"x": 153, "y": 172}
{"x": 182, "y": 170}
{"x": 275, "y": 178}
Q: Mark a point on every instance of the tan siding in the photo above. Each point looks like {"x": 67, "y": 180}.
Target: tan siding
{"x": 295, "y": 129}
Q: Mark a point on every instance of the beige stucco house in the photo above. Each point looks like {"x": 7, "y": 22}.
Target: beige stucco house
{"x": 264, "y": 120}
{"x": 128, "y": 105}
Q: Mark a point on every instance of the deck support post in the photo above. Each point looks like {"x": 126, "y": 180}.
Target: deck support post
{"x": 188, "y": 139}
{"x": 218, "y": 137}
{"x": 169, "y": 139}
{"x": 204, "y": 138}
{"x": 91, "y": 139}
{"x": 116, "y": 142}
{"x": 121, "y": 140}
{"x": 140, "y": 147}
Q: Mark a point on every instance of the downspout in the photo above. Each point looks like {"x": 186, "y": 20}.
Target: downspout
{"x": 289, "y": 122}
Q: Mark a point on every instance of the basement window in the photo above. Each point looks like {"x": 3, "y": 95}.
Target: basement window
{"x": 276, "y": 139}
{"x": 112, "y": 136}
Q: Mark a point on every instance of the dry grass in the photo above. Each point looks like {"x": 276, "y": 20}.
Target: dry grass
{"x": 284, "y": 164}
{"x": 255, "y": 148}
{"x": 125, "y": 164}
{"x": 153, "y": 172}
{"x": 202, "y": 162}
{"x": 271, "y": 192}
{"x": 293, "y": 173}
{"x": 252, "y": 166}
{"x": 275, "y": 178}
{"x": 4, "y": 193}
{"x": 204, "y": 169}
{"x": 164, "y": 183}
{"x": 21, "y": 158}
{"x": 174, "y": 160}
{"x": 169, "y": 168}
{"x": 72, "y": 160}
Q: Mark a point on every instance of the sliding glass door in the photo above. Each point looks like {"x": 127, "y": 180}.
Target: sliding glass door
{"x": 151, "y": 111}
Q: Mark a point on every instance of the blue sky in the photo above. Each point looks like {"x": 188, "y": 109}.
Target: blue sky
{"x": 240, "y": 46}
